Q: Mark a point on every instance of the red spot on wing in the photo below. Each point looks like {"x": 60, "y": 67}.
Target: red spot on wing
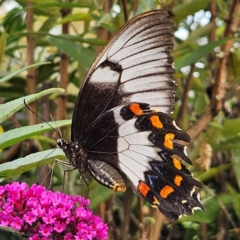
{"x": 136, "y": 109}
{"x": 143, "y": 188}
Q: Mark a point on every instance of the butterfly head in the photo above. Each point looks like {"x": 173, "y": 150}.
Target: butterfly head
{"x": 75, "y": 154}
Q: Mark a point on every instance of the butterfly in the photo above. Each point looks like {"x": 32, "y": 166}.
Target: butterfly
{"x": 121, "y": 126}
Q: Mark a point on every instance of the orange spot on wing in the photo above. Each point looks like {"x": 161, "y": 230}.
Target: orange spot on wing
{"x": 166, "y": 191}
{"x": 177, "y": 164}
{"x": 168, "y": 143}
{"x": 143, "y": 188}
{"x": 135, "y": 108}
{"x": 178, "y": 180}
{"x": 156, "y": 121}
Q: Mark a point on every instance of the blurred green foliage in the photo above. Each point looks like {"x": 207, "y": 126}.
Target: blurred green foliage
{"x": 217, "y": 166}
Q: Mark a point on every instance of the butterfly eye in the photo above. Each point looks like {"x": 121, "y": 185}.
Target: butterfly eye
{"x": 60, "y": 143}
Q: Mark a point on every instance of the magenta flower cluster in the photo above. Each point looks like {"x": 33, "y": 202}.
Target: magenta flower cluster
{"x": 43, "y": 214}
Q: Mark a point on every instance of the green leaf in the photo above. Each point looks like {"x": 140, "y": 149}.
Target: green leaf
{"x": 75, "y": 17}
{"x": 79, "y": 53}
{"x": 213, "y": 207}
{"x": 3, "y": 40}
{"x": 91, "y": 41}
{"x": 197, "y": 54}
{"x": 45, "y": 11}
{"x": 230, "y": 144}
{"x": 236, "y": 167}
{"x": 13, "y": 21}
{"x": 19, "y": 134}
{"x": 29, "y": 162}
{"x": 99, "y": 194}
{"x": 48, "y": 24}
{"x": 9, "y": 108}
{"x": 106, "y": 22}
{"x": 212, "y": 172}
{"x": 15, "y": 73}
{"x": 236, "y": 200}
{"x": 53, "y": 4}
{"x": 194, "y": 36}
{"x": 181, "y": 11}
{"x": 231, "y": 128}
{"x": 8, "y": 233}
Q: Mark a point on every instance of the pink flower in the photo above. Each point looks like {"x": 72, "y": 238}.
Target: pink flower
{"x": 2, "y": 190}
{"x": 48, "y": 218}
{"x": 45, "y": 230}
{"x": 59, "y": 226}
{"x": 16, "y": 223}
{"x": 42, "y": 214}
{"x": 29, "y": 217}
{"x": 34, "y": 237}
{"x": 37, "y": 210}
{"x": 68, "y": 236}
{"x": 5, "y": 219}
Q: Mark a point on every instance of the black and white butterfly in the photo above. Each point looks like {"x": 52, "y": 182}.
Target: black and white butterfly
{"x": 120, "y": 125}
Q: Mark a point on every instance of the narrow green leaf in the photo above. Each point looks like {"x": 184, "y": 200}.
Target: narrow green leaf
{"x": 106, "y": 22}
{"x": 236, "y": 200}
{"x": 40, "y": 34}
{"x": 181, "y": 11}
{"x": 19, "y": 134}
{"x": 194, "y": 36}
{"x": 75, "y": 17}
{"x": 197, "y": 54}
{"x": 99, "y": 194}
{"x": 212, "y": 172}
{"x": 9, "y": 108}
{"x": 91, "y": 41}
{"x": 213, "y": 207}
{"x": 8, "y": 233}
{"x": 3, "y": 40}
{"x": 15, "y": 73}
{"x": 231, "y": 144}
{"x": 79, "y": 53}
{"x": 236, "y": 167}
{"x": 48, "y": 24}
{"x": 29, "y": 162}
{"x": 53, "y": 4}
{"x": 231, "y": 128}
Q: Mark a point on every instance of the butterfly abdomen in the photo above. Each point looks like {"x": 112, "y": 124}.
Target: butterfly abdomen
{"x": 107, "y": 175}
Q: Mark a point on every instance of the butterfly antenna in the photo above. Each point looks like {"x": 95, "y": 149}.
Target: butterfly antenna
{"x": 59, "y": 134}
{"x": 59, "y": 130}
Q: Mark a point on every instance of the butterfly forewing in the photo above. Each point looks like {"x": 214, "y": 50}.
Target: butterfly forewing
{"x": 121, "y": 126}
{"x": 131, "y": 55}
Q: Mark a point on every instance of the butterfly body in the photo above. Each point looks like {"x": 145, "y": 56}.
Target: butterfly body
{"x": 103, "y": 172}
{"x": 121, "y": 127}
